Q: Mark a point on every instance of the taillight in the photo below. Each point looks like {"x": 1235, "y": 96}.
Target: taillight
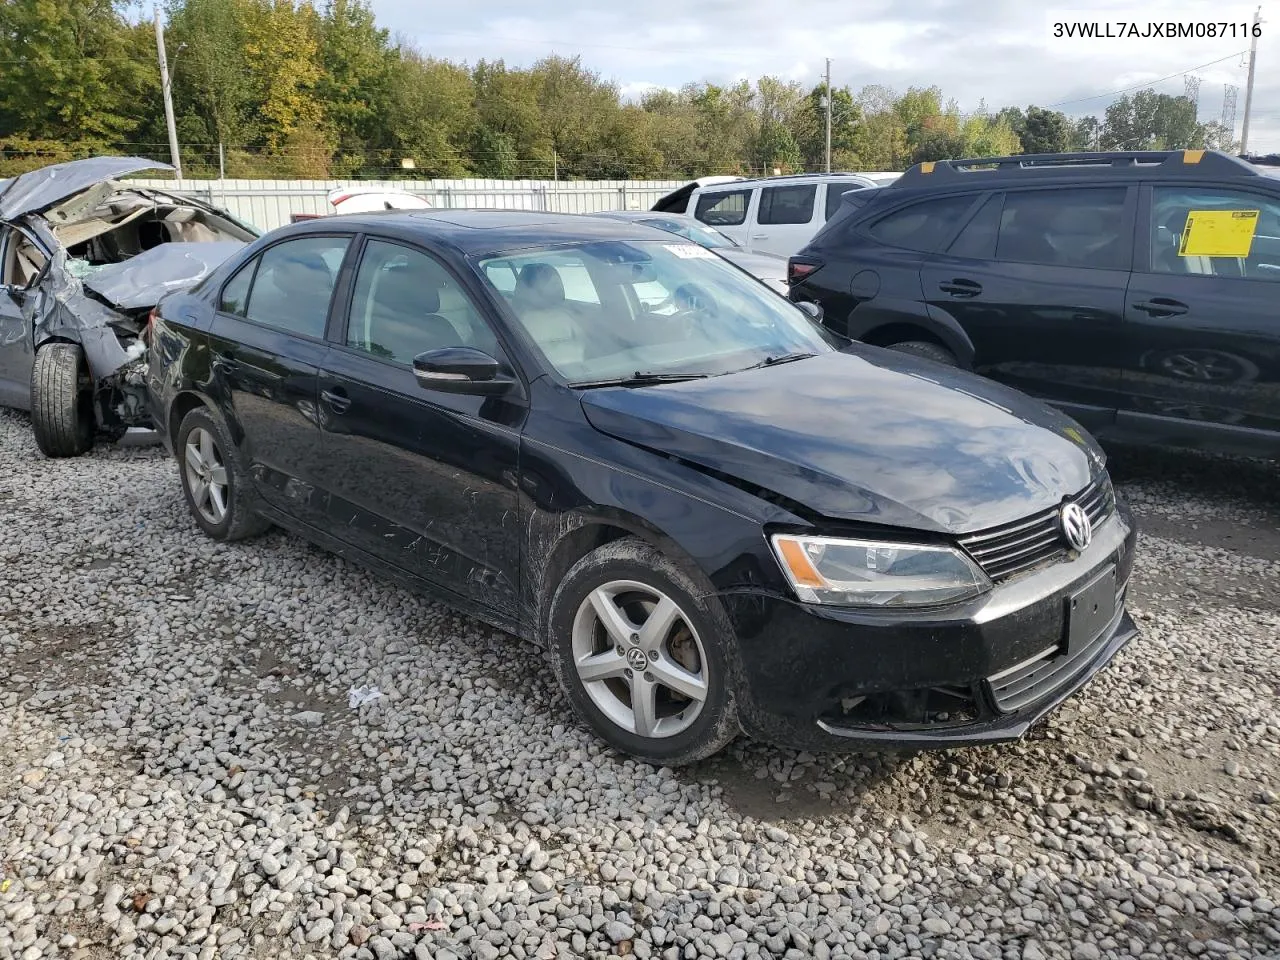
{"x": 797, "y": 270}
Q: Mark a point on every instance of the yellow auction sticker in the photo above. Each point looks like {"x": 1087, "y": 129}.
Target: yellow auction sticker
{"x": 1218, "y": 233}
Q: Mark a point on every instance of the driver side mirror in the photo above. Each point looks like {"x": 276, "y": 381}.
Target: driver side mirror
{"x": 813, "y": 310}
{"x": 463, "y": 370}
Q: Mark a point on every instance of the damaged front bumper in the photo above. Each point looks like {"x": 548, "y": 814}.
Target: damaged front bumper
{"x": 817, "y": 677}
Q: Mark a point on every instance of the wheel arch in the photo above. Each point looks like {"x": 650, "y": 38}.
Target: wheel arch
{"x": 882, "y": 326}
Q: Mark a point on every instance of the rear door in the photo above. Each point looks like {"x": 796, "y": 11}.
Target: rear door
{"x": 786, "y": 218}
{"x": 421, "y": 479}
{"x": 1203, "y": 312}
{"x": 267, "y": 342}
{"x": 1036, "y": 279}
{"x": 728, "y": 211}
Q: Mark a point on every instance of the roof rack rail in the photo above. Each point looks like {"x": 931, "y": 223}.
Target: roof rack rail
{"x": 1207, "y": 163}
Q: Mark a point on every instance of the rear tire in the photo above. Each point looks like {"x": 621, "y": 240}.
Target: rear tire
{"x": 927, "y": 350}
{"x": 62, "y": 416}
{"x": 213, "y": 482}
{"x": 647, "y": 658}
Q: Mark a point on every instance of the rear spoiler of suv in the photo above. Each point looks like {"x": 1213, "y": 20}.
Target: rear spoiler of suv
{"x": 1196, "y": 163}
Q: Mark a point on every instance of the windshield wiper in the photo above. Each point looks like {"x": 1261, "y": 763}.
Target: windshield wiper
{"x": 640, "y": 378}
{"x": 780, "y": 358}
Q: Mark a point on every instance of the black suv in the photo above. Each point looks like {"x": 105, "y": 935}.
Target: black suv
{"x": 1138, "y": 291}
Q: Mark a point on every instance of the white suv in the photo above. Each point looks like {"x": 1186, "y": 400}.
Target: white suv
{"x": 777, "y": 215}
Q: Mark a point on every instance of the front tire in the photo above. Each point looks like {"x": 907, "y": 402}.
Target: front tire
{"x": 646, "y": 658}
{"x": 213, "y": 482}
{"x": 62, "y": 417}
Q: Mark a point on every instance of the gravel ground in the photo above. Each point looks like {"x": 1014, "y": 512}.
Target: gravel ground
{"x": 183, "y": 773}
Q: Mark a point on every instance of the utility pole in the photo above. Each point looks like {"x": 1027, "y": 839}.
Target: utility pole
{"x": 167, "y": 89}
{"x": 1248, "y": 89}
{"x": 828, "y": 115}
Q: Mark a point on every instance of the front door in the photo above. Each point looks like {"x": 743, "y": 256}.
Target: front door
{"x": 20, "y": 265}
{"x": 1203, "y": 313}
{"x": 267, "y": 342}
{"x": 1037, "y": 281}
{"x": 421, "y": 479}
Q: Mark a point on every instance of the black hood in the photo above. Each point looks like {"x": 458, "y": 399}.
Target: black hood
{"x": 865, "y": 435}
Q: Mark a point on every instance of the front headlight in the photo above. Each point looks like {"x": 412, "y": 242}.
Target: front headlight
{"x": 874, "y": 573}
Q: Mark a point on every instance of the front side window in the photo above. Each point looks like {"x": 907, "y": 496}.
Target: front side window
{"x": 294, "y": 284}
{"x": 664, "y": 308}
{"x": 724, "y": 208}
{"x": 783, "y": 205}
{"x": 1071, "y": 227}
{"x": 1242, "y": 229}
{"x": 921, "y": 226}
{"x": 407, "y": 303}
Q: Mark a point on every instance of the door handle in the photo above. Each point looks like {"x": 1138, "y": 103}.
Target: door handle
{"x": 960, "y": 287}
{"x": 337, "y": 400}
{"x": 1162, "y": 307}
{"x": 759, "y": 236}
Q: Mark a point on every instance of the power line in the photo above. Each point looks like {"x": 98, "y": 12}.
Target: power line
{"x": 1149, "y": 83}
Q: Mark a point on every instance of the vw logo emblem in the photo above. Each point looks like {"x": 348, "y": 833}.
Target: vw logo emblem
{"x": 637, "y": 659}
{"x": 1076, "y": 526}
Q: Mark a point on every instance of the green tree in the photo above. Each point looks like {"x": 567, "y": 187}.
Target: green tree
{"x": 355, "y": 84}
{"x": 1147, "y": 120}
{"x": 212, "y": 87}
{"x": 1045, "y": 131}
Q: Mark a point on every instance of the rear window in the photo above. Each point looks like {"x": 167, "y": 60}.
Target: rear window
{"x": 922, "y": 226}
{"x": 835, "y": 194}
{"x": 724, "y": 208}
{"x": 793, "y": 204}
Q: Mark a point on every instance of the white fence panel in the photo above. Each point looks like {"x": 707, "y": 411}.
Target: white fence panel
{"x": 271, "y": 203}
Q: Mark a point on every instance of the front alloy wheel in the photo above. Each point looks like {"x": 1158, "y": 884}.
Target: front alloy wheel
{"x": 639, "y": 659}
{"x": 645, "y": 653}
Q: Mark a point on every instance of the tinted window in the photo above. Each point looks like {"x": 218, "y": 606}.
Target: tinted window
{"x": 922, "y": 226}
{"x": 294, "y": 284}
{"x": 407, "y": 303}
{"x": 1074, "y": 227}
{"x": 787, "y": 204}
{"x": 724, "y": 208}
{"x": 835, "y": 194}
{"x": 236, "y": 293}
{"x": 1169, "y": 209}
{"x": 978, "y": 238}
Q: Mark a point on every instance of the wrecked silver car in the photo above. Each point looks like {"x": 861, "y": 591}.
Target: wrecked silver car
{"x": 84, "y": 257}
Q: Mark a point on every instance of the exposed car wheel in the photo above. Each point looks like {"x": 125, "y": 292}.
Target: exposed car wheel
{"x": 62, "y": 416}
{"x": 930, "y": 351}
{"x": 213, "y": 481}
{"x": 645, "y": 657}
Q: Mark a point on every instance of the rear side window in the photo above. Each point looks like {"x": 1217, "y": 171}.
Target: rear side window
{"x": 726, "y": 208}
{"x": 922, "y": 226}
{"x": 978, "y": 239}
{"x": 1071, "y": 227}
{"x": 787, "y": 204}
{"x": 235, "y": 295}
{"x": 835, "y": 195}
{"x": 294, "y": 284}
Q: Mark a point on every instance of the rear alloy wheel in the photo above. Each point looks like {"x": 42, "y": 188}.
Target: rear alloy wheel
{"x": 211, "y": 479}
{"x": 62, "y": 417}
{"x": 926, "y": 349}
{"x": 643, "y": 661}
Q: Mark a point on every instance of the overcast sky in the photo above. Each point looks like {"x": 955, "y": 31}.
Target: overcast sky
{"x": 1002, "y": 51}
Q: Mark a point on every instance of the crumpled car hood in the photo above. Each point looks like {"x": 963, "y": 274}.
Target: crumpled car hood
{"x": 140, "y": 281}
{"x": 865, "y": 435}
{"x": 41, "y": 189}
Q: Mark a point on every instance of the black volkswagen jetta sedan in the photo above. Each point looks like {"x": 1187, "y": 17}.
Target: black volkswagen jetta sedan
{"x": 599, "y": 437}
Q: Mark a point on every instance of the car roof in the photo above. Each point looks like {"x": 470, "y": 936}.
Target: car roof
{"x": 789, "y": 178}
{"x": 477, "y": 232}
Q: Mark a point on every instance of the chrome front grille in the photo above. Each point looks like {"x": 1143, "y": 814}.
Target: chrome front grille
{"x": 1016, "y": 547}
